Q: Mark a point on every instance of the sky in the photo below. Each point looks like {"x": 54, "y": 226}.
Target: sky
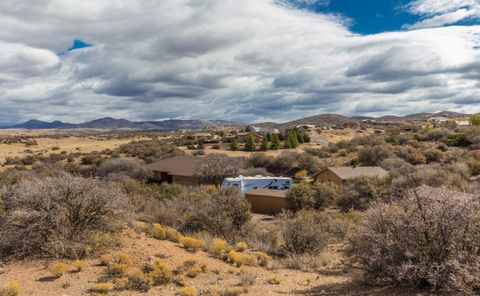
{"x": 245, "y": 61}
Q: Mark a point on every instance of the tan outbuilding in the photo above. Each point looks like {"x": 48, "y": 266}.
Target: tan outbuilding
{"x": 267, "y": 201}
{"x": 341, "y": 175}
{"x": 176, "y": 170}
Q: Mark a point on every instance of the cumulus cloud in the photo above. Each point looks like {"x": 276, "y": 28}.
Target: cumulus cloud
{"x": 437, "y": 13}
{"x": 249, "y": 60}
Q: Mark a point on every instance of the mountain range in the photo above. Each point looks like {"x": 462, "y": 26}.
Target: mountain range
{"x": 178, "y": 124}
{"x": 112, "y": 123}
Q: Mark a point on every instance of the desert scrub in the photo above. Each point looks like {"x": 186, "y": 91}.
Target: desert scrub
{"x": 187, "y": 291}
{"x": 58, "y": 269}
{"x": 121, "y": 283}
{"x": 172, "y": 234}
{"x": 159, "y": 232}
{"x": 263, "y": 259}
{"x": 247, "y": 278}
{"x": 241, "y": 246}
{"x": 234, "y": 291}
{"x": 219, "y": 248}
{"x": 106, "y": 259}
{"x": 159, "y": 273}
{"x": 10, "y": 289}
{"x": 191, "y": 244}
{"x": 273, "y": 280}
{"x": 78, "y": 265}
{"x": 103, "y": 288}
{"x": 137, "y": 280}
{"x": 241, "y": 259}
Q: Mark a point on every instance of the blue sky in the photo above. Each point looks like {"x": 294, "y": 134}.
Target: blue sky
{"x": 370, "y": 16}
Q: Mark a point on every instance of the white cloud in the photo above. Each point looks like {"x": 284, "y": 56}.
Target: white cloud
{"x": 225, "y": 59}
{"x": 437, "y": 13}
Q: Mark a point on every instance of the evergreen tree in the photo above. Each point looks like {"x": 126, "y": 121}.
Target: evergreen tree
{"x": 294, "y": 139}
{"x": 265, "y": 145}
{"x": 287, "y": 144}
{"x": 250, "y": 144}
{"x": 234, "y": 144}
{"x": 269, "y": 137}
{"x": 306, "y": 138}
{"x": 300, "y": 138}
{"x": 275, "y": 142}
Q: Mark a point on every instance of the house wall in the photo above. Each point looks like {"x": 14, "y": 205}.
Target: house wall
{"x": 327, "y": 175}
{"x": 183, "y": 180}
{"x": 268, "y": 205}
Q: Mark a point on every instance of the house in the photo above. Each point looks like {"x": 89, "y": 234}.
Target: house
{"x": 176, "y": 170}
{"x": 267, "y": 201}
{"x": 201, "y": 136}
{"x": 242, "y": 137}
{"x": 341, "y": 175}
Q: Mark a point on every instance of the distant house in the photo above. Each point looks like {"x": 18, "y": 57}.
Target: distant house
{"x": 242, "y": 137}
{"x": 341, "y": 175}
{"x": 267, "y": 201}
{"x": 202, "y": 136}
{"x": 176, "y": 170}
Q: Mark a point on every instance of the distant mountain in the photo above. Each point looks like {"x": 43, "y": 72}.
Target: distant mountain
{"x": 339, "y": 120}
{"x": 38, "y": 124}
{"x": 112, "y": 123}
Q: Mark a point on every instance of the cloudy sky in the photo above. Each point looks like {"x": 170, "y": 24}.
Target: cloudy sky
{"x": 241, "y": 60}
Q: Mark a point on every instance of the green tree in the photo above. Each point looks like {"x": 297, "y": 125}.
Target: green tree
{"x": 300, "y": 138}
{"x": 275, "y": 142}
{"x": 287, "y": 144}
{"x": 234, "y": 144}
{"x": 269, "y": 137}
{"x": 294, "y": 139}
{"x": 475, "y": 120}
{"x": 250, "y": 144}
{"x": 265, "y": 145}
{"x": 249, "y": 129}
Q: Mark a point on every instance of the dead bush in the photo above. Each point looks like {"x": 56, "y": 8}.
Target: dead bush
{"x": 57, "y": 216}
{"x": 125, "y": 167}
{"x": 215, "y": 167}
{"x": 423, "y": 241}
{"x": 359, "y": 193}
{"x": 303, "y": 232}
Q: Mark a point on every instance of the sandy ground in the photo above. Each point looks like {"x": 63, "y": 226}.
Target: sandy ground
{"x": 36, "y": 280}
{"x": 68, "y": 144}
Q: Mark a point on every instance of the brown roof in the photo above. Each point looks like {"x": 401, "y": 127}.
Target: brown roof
{"x": 346, "y": 173}
{"x": 178, "y": 165}
{"x": 268, "y": 192}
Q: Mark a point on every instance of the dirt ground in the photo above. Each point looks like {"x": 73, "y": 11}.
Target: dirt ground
{"x": 36, "y": 280}
{"x": 77, "y": 143}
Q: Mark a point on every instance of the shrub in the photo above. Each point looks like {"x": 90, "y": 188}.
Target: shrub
{"x": 191, "y": 244}
{"x": 324, "y": 195}
{"x": 78, "y": 265}
{"x": 424, "y": 241}
{"x": 371, "y": 156}
{"x": 172, "y": 234}
{"x": 159, "y": 232}
{"x": 303, "y": 232}
{"x": 103, "y": 288}
{"x": 10, "y": 289}
{"x": 241, "y": 246}
{"x": 220, "y": 212}
{"x": 137, "y": 280}
{"x": 159, "y": 273}
{"x": 187, "y": 291}
{"x": 106, "y": 259}
{"x": 215, "y": 167}
{"x": 219, "y": 248}
{"x": 273, "y": 280}
{"x": 241, "y": 259}
{"x": 360, "y": 193}
{"x": 58, "y": 269}
{"x": 58, "y": 216}
{"x": 263, "y": 259}
{"x": 126, "y": 167}
{"x": 457, "y": 140}
{"x": 234, "y": 291}
{"x": 299, "y": 197}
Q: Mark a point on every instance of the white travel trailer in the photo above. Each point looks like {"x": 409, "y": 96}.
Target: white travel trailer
{"x": 246, "y": 184}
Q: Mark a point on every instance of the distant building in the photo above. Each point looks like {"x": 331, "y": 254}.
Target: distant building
{"x": 341, "y": 175}
{"x": 243, "y": 136}
{"x": 202, "y": 136}
{"x": 267, "y": 201}
{"x": 176, "y": 170}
